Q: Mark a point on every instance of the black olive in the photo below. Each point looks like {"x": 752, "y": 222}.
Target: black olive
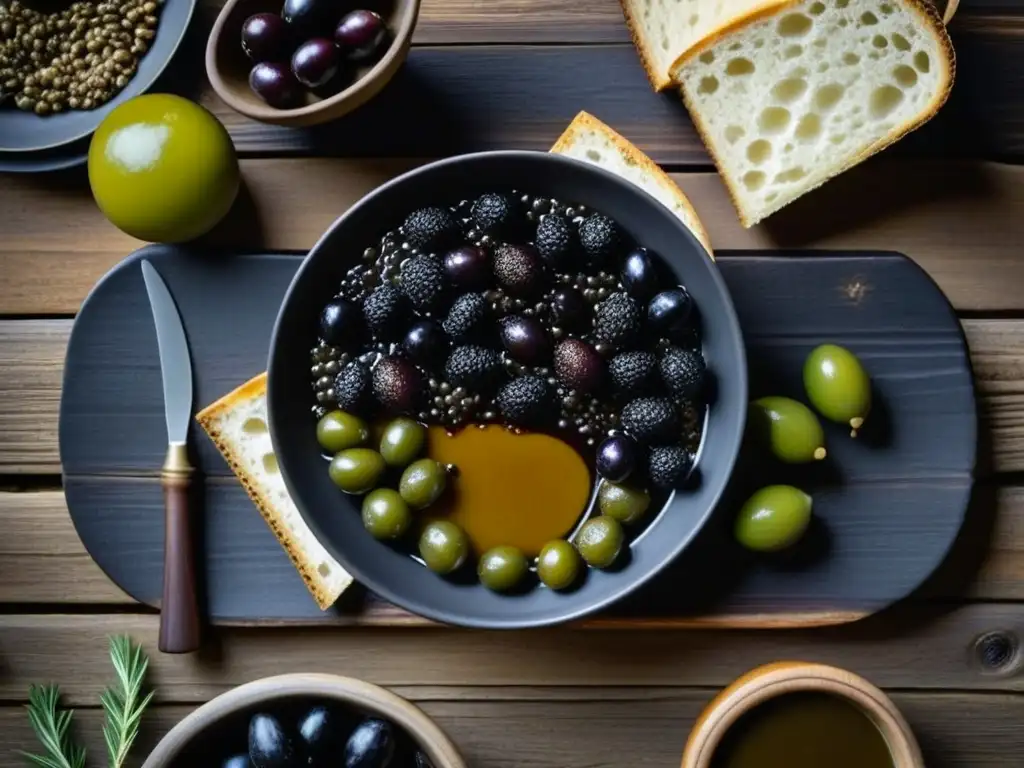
{"x": 371, "y": 745}
{"x": 422, "y": 761}
{"x": 237, "y": 761}
{"x": 269, "y": 745}
{"x": 321, "y": 736}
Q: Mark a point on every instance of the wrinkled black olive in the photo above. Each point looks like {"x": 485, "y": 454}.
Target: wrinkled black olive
{"x": 237, "y": 761}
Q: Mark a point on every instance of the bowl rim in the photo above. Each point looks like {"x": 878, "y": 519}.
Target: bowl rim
{"x": 366, "y": 84}
{"x": 735, "y": 442}
{"x": 359, "y": 693}
{"x": 769, "y": 681}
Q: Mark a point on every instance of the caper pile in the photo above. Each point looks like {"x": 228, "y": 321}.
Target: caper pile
{"x": 76, "y": 58}
{"x": 776, "y": 516}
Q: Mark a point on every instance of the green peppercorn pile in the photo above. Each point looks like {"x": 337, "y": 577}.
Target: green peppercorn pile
{"x": 76, "y": 58}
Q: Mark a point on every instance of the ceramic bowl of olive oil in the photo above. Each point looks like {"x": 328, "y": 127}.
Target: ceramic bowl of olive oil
{"x": 800, "y": 715}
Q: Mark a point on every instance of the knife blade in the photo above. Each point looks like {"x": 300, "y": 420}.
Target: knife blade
{"x": 179, "y": 610}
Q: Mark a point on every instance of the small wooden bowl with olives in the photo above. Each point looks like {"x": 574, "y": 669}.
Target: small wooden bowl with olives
{"x": 306, "y": 720}
{"x": 305, "y": 62}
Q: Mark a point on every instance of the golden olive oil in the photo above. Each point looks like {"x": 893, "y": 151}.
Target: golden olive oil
{"x": 804, "y": 730}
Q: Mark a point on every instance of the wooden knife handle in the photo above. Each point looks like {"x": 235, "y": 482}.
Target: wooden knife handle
{"x": 179, "y": 612}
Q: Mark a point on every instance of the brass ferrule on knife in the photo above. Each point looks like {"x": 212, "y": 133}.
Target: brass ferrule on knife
{"x": 177, "y": 470}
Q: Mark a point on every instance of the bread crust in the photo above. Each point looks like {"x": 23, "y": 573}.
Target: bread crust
{"x": 207, "y": 418}
{"x": 659, "y": 81}
{"x": 586, "y": 120}
{"x": 929, "y": 17}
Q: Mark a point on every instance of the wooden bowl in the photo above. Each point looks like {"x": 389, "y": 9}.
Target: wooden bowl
{"x": 198, "y": 731}
{"x": 228, "y": 67}
{"x": 766, "y": 682}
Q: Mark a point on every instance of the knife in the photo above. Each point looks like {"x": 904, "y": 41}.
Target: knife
{"x": 179, "y": 611}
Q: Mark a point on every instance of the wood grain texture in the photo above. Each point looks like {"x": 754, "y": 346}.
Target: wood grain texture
{"x": 42, "y": 559}
{"x": 642, "y": 728}
{"x": 28, "y": 434}
{"x": 917, "y": 647}
{"x": 960, "y": 221}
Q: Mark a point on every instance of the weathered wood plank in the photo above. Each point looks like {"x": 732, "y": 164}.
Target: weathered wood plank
{"x": 42, "y": 560}
{"x": 960, "y": 221}
{"x": 915, "y": 647}
{"x": 32, "y": 353}
{"x": 568, "y": 728}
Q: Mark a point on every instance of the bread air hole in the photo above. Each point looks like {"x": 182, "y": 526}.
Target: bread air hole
{"x": 254, "y": 426}
{"x": 792, "y": 51}
{"x": 794, "y": 25}
{"x": 738, "y": 67}
{"x": 922, "y": 62}
{"x": 736, "y": 47}
{"x": 884, "y": 99}
{"x": 821, "y": 42}
{"x": 809, "y": 127}
{"x": 664, "y": 42}
{"x": 823, "y": 67}
{"x": 879, "y": 41}
{"x": 593, "y": 154}
{"x": 851, "y": 59}
{"x": 817, "y": 9}
{"x": 324, "y": 570}
{"x": 793, "y": 174}
{"x": 901, "y": 43}
{"x": 708, "y": 84}
{"x": 842, "y": 3}
{"x": 759, "y": 151}
{"x": 837, "y": 138}
{"x": 868, "y": 19}
{"x": 886, "y": 9}
{"x": 843, "y": 23}
{"x": 758, "y": 44}
{"x": 708, "y": 57}
{"x": 270, "y": 464}
{"x": 828, "y": 96}
{"x": 789, "y": 90}
{"x": 734, "y": 133}
{"x": 753, "y": 180}
{"x": 771, "y": 197}
{"x": 694, "y": 18}
{"x": 905, "y": 76}
{"x": 874, "y": 55}
{"x": 773, "y": 119}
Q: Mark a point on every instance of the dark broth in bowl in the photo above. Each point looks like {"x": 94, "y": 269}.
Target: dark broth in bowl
{"x": 804, "y": 730}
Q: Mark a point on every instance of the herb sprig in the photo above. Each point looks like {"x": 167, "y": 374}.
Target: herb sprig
{"x": 123, "y": 705}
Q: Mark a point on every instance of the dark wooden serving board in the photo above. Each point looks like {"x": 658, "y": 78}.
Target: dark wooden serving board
{"x": 888, "y": 505}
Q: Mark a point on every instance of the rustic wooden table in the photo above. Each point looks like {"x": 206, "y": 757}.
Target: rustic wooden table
{"x": 504, "y": 74}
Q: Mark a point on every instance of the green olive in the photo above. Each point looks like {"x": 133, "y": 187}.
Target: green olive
{"x": 501, "y": 568}
{"x": 625, "y": 504}
{"x": 838, "y": 385}
{"x": 402, "y": 441}
{"x": 338, "y": 430}
{"x": 774, "y": 518}
{"x": 558, "y": 564}
{"x": 600, "y": 541}
{"x": 356, "y": 470}
{"x": 789, "y": 428}
{"x": 422, "y": 483}
{"x": 443, "y": 546}
{"x": 385, "y": 514}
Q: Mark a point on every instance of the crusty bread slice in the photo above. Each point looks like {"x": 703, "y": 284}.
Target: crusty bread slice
{"x": 237, "y": 424}
{"x": 590, "y": 140}
{"x": 788, "y": 99}
{"x": 664, "y": 30}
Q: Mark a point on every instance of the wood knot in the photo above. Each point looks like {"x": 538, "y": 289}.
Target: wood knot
{"x": 998, "y": 651}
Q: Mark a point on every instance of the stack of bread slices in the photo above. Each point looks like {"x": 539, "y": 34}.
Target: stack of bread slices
{"x": 787, "y": 95}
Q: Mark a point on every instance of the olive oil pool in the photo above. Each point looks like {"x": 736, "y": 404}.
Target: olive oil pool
{"x": 804, "y": 730}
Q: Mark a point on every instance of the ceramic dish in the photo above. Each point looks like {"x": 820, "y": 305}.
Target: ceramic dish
{"x": 335, "y": 518}
{"x": 68, "y": 156}
{"x": 228, "y": 68}
{"x": 198, "y": 732}
{"x": 765, "y": 683}
{"x": 24, "y": 132}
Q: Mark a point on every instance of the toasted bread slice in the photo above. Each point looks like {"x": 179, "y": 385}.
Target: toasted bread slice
{"x": 590, "y": 140}
{"x": 237, "y": 424}
{"x": 788, "y": 98}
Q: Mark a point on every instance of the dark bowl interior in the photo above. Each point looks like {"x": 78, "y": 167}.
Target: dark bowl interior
{"x": 335, "y": 517}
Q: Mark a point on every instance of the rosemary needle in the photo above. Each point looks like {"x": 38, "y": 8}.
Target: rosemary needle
{"x": 52, "y": 725}
{"x": 124, "y": 703}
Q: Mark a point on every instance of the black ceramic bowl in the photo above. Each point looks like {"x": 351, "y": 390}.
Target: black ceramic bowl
{"x": 335, "y": 517}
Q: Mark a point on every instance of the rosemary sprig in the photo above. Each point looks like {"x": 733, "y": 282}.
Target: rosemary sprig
{"x": 52, "y": 727}
{"x": 123, "y": 702}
